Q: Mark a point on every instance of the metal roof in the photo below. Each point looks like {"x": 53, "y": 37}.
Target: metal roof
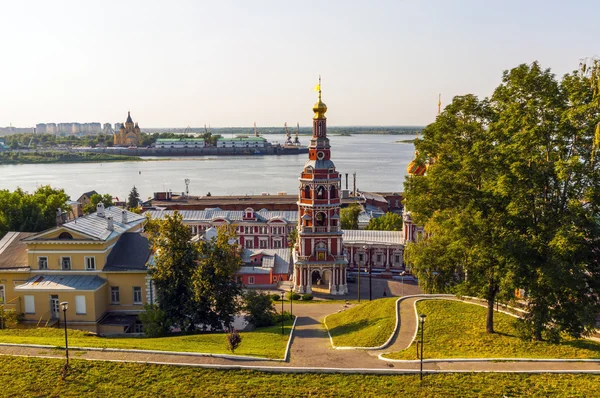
{"x": 96, "y": 227}
{"x": 208, "y": 215}
{"x": 13, "y": 252}
{"x": 63, "y": 283}
{"x": 357, "y": 236}
{"x": 131, "y": 253}
{"x": 277, "y": 259}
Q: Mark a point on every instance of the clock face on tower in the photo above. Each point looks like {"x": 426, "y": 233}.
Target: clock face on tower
{"x": 320, "y": 155}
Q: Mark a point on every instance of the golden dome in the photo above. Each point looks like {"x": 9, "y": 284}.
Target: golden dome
{"x": 416, "y": 169}
{"x": 319, "y": 108}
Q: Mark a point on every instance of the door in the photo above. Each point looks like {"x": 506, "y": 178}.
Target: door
{"x": 54, "y": 307}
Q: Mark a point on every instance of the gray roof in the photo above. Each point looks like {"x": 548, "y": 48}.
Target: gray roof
{"x": 131, "y": 253}
{"x": 277, "y": 259}
{"x": 89, "y": 194}
{"x": 208, "y": 215}
{"x": 96, "y": 227}
{"x": 13, "y": 252}
{"x": 319, "y": 164}
{"x": 63, "y": 283}
{"x": 357, "y": 236}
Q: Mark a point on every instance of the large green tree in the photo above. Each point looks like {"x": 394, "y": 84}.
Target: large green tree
{"x": 387, "y": 222}
{"x": 96, "y": 198}
{"x": 349, "y": 216}
{"x": 35, "y": 212}
{"x": 511, "y": 198}
{"x": 133, "y": 201}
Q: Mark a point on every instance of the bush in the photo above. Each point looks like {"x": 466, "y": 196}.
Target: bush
{"x": 286, "y": 317}
{"x": 293, "y": 296}
{"x": 155, "y": 321}
{"x": 275, "y": 297}
{"x": 307, "y": 297}
{"x": 9, "y": 319}
{"x": 234, "y": 339}
{"x": 259, "y": 308}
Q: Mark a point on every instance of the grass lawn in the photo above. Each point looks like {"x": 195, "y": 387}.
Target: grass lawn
{"x": 365, "y": 325}
{"x": 265, "y": 342}
{"x": 26, "y": 377}
{"x": 457, "y": 330}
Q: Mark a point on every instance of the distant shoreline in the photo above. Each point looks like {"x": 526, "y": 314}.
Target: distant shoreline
{"x": 51, "y": 157}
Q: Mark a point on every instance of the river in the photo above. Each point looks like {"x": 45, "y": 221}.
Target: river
{"x": 379, "y": 163}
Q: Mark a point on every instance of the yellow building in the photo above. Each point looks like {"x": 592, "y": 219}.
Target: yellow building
{"x": 96, "y": 263}
{"x": 129, "y": 134}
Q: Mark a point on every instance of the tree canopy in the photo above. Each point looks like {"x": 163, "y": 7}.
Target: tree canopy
{"x": 35, "y": 212}
{"x": 349, "y": 216}
{"x": 388, "y": 222}
{"x": 96, "y": 198}
{"x": 510, "y": 198}
{"x": 133, "y": 201}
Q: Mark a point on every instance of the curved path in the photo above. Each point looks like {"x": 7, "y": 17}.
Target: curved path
{"x": 311, "y": 352}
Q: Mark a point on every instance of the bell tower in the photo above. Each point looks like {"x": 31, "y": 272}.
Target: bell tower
{"x": 320, "y": 263}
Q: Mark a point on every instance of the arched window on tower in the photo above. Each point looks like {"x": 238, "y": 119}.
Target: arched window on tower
{"x": 321, "y": 219}
{"x": 320, "y": 192}
{"x": 319, "y": 131}
{"x": 333, "y": 192}
{"x": 307, "y": 192}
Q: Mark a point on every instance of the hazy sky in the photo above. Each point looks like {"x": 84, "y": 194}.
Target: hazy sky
{"x": 231, "y": 63}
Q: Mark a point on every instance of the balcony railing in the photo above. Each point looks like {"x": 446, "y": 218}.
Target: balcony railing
{"x": 320, "y": 229}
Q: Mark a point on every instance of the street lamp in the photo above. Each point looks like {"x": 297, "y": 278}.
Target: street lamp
{"x": 422, "y": 318}
{"x": 282, "y": 298}
{"x": 402, "y": 275}
{"x": 292, "y": 301}
{"x": 64, "y": 306}
{"x": 370, "y": 273}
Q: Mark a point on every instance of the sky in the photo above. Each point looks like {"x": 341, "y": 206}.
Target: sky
{"x": 233, "y": 63}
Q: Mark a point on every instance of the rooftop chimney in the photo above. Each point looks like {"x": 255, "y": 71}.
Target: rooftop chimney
{"x": 123, "y": 216}
{"x": 100, "y": 209}
{"x": 109, "y": 224}
{"x": 58, "y": 216}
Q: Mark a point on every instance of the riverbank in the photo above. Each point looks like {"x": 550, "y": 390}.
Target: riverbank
{"x": 12, "y": 158}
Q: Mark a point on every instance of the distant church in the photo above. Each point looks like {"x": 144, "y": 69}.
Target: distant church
{"x": 129, "y": 134}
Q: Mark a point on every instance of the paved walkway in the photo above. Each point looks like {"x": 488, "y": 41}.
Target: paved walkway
{"x": 311, "y": 349}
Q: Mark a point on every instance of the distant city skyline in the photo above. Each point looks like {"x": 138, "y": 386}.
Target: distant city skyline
{"x": 230, "y": 64}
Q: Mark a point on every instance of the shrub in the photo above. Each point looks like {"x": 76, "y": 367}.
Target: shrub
{"x": 155, "y": 321}
{"x": 307, "y": 297}
{"x": 293, "y": 296}
{"x": 9, "y": 319}
{"x": 286, "y": 317}
{"x": 275, "y": 297}
{"x": 259, "y": 308}
{"x": 234, "y": 339}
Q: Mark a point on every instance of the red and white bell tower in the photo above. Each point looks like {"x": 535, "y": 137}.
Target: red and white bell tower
{"x": 319, "y": 257}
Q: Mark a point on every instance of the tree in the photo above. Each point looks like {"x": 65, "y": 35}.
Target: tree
{"x": 349, "y": 216}
{"x": 133, "y": 202}
{"x": 216, "y": 288}
{"x": 24, "y": 212}
{"x": 234, "y": 339}
{"x": 174, "y": 264}
{"x": 259, "y": 308}
{"x": 96, "y": 198}
{"x": 550, "y": 131}
{"x": 155, "y": 321}
{"x": 387, "y": 222}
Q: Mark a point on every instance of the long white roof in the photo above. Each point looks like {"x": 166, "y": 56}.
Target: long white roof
{"x": 358, "y": 236}
{"x": 208, "y": 215}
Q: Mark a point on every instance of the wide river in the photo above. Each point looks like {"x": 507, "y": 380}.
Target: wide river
{"x": 379, "y": 163}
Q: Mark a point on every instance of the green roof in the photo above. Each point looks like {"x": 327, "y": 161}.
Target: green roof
{"x": 243, "y": 139}
{"x": 180, "y": 140}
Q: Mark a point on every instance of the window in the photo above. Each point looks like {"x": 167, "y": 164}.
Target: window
{"x": 65, "y": 235}
{"x": 114, "y": 295}
{"x": 274, "y": 279}
{"x": 263, "y": 243}
{"x": 2, "y": 295}
{"x": 80, "y": 305}
{"x": 90, "y": 263}
{"x": 277, "y": 244}
{"x": 138, "y": 328}
{"x": 379, "y": 258}
{"x": 65, "y": 263}
{"x": 360, "y": 258}
{"x": 396, "y": 258}
{"x": 137, "y": 295}
{"x": 249, "y": 244}
{"x": 29, "y": 304}
{"x": 251, "y": 280}
{"x": 42, "y": 262}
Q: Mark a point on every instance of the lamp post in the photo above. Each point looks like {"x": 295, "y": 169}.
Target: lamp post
{"x": 370, "y": 273}
{"x": 422, "y": 318}
{"x": 402, "y": 275}
{"x": 292, "y": 301}
{"x": 64, "y": 306}
{"x": 282, "y": 299}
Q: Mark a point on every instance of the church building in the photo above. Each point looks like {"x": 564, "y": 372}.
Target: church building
{"x": 129, "y": 134}
{"x": 320, "y": 263}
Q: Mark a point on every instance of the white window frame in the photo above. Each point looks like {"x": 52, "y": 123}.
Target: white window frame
{"x": 277, "y": 243}
{"x": 141, "y": 296}
{"x": 86, "y": 261}
{"x": 251, "y": 280}
{"x": 2, "y": 294}
{"x": 118, "y": 291}
{"x": 80, "y": 307}
{"x": 397, "y": 258}
{"x": 263, "y": 243}
{"x": 249, "y": 243}
{"x": 29, "y": 304}
{"x": 39, "y": 259}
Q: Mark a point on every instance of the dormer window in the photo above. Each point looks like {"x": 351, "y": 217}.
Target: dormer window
{"x": 309, "y": 170}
